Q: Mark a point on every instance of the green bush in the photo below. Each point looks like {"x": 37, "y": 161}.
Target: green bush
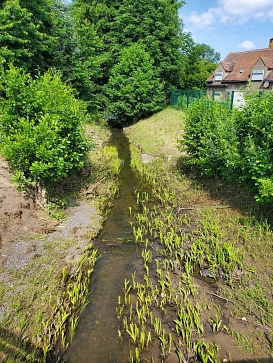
{"x": 254, "y": 129}
{"x": 41, "y": 128}
{"x": 210, "y": 137}
{"x": 235, "y": 144}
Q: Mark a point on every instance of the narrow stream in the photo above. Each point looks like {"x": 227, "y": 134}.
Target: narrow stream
{"x": 96, "y": 339}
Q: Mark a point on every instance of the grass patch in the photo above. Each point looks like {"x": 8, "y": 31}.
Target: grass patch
{"x": 207, "y": 260}
{"x": 157, "y": 135}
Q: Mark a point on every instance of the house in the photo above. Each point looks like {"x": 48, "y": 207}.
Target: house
{"x": 238, "y": 71}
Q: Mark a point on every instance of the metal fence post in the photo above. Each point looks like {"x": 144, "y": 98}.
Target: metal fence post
{"x": 231, "y": 100}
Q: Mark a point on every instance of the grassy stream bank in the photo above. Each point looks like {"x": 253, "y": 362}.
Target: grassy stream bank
{"x": 43, "y": 292}
{"x": 205, "y": 292}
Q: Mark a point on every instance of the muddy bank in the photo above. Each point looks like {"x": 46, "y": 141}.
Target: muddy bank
{"x": 41, "y": 257}
{"x": 19, "y": 213}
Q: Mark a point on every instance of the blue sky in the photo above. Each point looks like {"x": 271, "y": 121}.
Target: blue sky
{"x": 229, "y": 25}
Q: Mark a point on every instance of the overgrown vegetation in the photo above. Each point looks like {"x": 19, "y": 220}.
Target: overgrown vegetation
{"x": 43, "y": 296}
{"x": 42, "y": 136}
{"x": 233, "y": 144}
{"x": 205, "y": 265}
{"x": 206, "y": 273}
{"x": 134, "y": 88}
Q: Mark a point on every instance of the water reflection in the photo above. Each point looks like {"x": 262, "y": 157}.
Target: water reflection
{"x": 96, "y": 339}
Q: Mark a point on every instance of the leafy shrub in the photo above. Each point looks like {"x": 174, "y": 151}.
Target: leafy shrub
{"x": 210, "y": 136}
{"x": 254, "y": 128}
{"x": 235, "y": 144}
{"x": 40, "y": 122}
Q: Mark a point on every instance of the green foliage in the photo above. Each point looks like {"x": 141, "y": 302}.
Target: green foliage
{"x": 255, "y": 123}
{"x": 153, "y": 25}
{"x": 235, "y": 144}
{"x": 156, "y": 25}
{"x": 40, "y": 125}
{"x": 81, "y": 57}
{"x": 28, "y": 33}
{"x": 206, "y": 52}
{"x": 210, "y": 136}
{"x": 134, "y": 89}
{"x": 199, "y": 62}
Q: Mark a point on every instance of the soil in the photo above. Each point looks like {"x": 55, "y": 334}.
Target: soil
{"x": 20, "y": 216}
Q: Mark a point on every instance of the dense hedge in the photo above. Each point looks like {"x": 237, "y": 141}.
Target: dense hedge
{"x": 233, "y": 144}
{"x": 40, "y": 126}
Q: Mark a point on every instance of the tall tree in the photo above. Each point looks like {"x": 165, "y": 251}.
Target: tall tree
{"x": 100, "y": 15}
{"x": 134, "y": 88}
{"x": 153, "y": 25}
{"x": 87, "y": 57}
{"x": 206, "y": 52}
{"x": 28, "y": 33}
{"x": 199, "y": 61}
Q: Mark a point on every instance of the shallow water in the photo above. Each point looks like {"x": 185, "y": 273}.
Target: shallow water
{"x": 96, "y": 338}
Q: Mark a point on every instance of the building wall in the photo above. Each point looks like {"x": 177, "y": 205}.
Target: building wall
{"x": 242, "y": 86}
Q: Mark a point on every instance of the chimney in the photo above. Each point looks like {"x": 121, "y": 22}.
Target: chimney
{"x": 270, "y": 43}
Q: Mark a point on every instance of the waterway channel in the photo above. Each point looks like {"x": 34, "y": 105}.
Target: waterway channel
{"x": 96, "y": 339}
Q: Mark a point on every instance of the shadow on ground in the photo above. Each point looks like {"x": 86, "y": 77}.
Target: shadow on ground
{"x": 12, "y": 345}
{"x": 235, "y": 196}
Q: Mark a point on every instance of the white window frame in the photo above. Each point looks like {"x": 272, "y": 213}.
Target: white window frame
{"x": 217, "y": 95}
{"x": 257, "y": 75}
{"x": 218, "y": 76}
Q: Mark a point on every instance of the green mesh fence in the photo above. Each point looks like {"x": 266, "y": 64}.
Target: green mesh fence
{"x": 183, "y": 98}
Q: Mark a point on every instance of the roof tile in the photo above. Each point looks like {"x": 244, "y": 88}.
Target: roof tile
{"x": 238, "y": 65}
{"x": 268, "y": 62}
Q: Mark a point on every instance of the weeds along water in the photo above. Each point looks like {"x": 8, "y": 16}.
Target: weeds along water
{"x": 190, "y": 301}
{"x": 96, "y": 339}
{"x": 44, "y": 295}
{"x": 53, "y": 326}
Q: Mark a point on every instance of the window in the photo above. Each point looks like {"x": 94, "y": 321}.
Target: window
{"x": 216, "y": 96}
{"x": 257, "y": 75}
{"x": 218, "y": 76}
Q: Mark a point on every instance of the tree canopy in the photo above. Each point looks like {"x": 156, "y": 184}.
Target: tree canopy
{"x": 28, "y": 33}
{"x": 89, "y": 40}
{"x": 134, "y": 88}
{"x": 200, "y": 60}
{"x": 154, "y": 27}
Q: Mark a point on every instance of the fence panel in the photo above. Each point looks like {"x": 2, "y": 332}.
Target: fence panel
{"x": 184, "y": 98}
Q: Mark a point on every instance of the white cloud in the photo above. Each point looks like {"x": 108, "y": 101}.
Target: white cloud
{"x": 246, "y": 45}
{"x": 202, "y": 20}
{"x": 234, "y": 11}
{"x": 245, "y": 8}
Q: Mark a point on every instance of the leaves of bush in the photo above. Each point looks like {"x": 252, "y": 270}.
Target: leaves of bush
{"x": 41, "y": 127}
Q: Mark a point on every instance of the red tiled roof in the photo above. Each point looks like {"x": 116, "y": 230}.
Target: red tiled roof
{"x": 268, "y": 62}
{"x": 227, "y": 66}
{"x": 242, "y": 63}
